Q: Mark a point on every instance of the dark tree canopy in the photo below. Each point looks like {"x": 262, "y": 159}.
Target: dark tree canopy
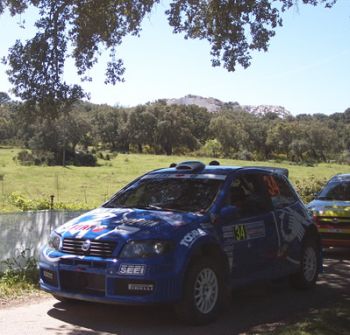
{"x": 233, "y": 28}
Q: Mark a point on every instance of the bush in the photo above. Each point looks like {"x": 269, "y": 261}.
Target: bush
{"x": 211, "y": 148}
{"x": 344, "y": 157}
{"x": 22, "y": 268}
{"x": 24, "y": 157}
{"x": 84, "y": 159}
{"x": 24, "y": 204}
{"x": 307, "y": 188}
{"x": 244, "y": 155}
{"x": 80, "y": 158}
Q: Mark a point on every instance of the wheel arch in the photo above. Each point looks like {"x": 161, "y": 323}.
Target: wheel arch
{"x": 312, "y": 232}
{"x": 208, "y": 249}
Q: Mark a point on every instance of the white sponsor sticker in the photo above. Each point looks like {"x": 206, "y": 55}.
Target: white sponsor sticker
{"x": 132, "y": 269}
{"x": 190, "y": 237}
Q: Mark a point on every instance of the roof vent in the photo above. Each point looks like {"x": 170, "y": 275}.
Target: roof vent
{"x": 191, "y": 166}
{"x": 214, "y": 162}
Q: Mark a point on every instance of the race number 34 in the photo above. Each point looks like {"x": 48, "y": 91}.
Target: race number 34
{"x": 239, "y": 232}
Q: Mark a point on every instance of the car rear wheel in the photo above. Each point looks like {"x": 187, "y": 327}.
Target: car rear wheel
{"x": 203, "y": 293}
{"x": 308, "y": 272}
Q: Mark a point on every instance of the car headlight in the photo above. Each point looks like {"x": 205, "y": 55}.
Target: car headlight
{"x": 55, "y": 241}
{"x": 143, "y": 249}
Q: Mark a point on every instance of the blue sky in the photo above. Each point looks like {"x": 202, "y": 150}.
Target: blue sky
{"x": 306, "y": 69}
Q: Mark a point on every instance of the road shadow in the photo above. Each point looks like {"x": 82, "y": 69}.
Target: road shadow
{"x": 268, "y": 304}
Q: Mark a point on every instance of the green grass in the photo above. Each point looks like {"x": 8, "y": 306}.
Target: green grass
{"x": 91, "y": 186}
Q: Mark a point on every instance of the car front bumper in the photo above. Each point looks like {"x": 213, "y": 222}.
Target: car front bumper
{"x": 110, "y": 280}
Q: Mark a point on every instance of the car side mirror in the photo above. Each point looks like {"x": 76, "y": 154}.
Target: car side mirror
{"x": 228, "y": 212}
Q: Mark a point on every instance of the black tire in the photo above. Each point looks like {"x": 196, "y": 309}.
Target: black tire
{"x": 309, "y": 268}
{"x": 204, "y": 292}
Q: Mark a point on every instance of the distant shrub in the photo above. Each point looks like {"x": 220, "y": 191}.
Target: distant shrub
{"x": 244, "y": 155}
{"x": 344, "y": 157}
{"x": 19, "y": 201}
{"x": 307, "y": 188}
{"x": 84, "y": 159}
{"x": 211, "y": 148}
{"x": 24, "y": 157}
{"x": 106, "y": 157}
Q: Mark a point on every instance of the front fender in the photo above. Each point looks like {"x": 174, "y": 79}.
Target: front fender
{"x": 195, "y": 243}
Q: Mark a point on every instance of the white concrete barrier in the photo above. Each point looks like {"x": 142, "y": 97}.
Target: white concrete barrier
{"x": 29, "y": 230}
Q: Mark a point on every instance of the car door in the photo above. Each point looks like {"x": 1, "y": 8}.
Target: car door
{"x": 291, "y": 217}
{"x": 252, "y": 232}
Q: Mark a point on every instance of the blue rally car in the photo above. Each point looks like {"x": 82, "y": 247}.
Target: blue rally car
{"x": 185, "y": 235}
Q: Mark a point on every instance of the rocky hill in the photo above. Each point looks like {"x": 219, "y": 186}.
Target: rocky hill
{"x": 214, "y": 105}
{"x": 264, "y": 109}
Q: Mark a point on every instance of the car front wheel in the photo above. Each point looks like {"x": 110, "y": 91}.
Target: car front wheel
{"x": 203, "y": 293}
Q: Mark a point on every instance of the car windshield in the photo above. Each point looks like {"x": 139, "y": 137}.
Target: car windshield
{"x": 173, "y": 194}
{"x": 339, "y": 190}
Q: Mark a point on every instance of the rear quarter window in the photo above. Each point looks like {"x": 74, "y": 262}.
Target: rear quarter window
{"x": 281, "y": 193}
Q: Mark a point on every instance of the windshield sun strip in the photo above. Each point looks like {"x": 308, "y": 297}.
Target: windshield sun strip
{"x": 184, "y": 176}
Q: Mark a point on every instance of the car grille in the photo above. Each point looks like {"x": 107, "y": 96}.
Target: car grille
{"x": 80, "y": 282}
{"x": 97, "y": 248}
{"x": 334, "y": 221}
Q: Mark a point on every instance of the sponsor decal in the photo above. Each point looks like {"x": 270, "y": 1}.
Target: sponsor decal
{"x": 244, "y": 231}
{"x": 291, "y": 228}
{"x": 141, "y": 287}
{"x": 98, "y": 229}
{"x": 291, "y": 225}
{"x": 48, "y": 274}
{"x": 140, "y": 222}
{"x": 190, "y": 237}
{"x": 255, "y": 230}
{"x": 122, "y": 230}
{"x": 132, "y": 269}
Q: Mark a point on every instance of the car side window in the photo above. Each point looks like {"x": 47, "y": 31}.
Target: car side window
{"x": 279, "y": 190}
{"x": 249, "y": 195}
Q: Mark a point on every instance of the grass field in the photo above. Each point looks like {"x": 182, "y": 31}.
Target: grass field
{"x": 90, "y": 186}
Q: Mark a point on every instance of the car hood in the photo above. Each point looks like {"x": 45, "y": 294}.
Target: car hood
{"x": 109, "y": 223}
{"x": 330, "y": 207}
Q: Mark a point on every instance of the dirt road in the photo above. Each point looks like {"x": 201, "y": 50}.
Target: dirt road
{"x": 252, "y": 310}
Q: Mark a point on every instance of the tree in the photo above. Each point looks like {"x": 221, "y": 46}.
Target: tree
{"x": 142, "y": 126}
{"x": 230, "y": 133}
{"x": 172, "y": 130}
{"x": 109, "y": 124}
{"x": 4, "y": 98}
{"x": 233, "y": 28}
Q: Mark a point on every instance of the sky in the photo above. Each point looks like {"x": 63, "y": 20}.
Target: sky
{"x": 306, "y": 68}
